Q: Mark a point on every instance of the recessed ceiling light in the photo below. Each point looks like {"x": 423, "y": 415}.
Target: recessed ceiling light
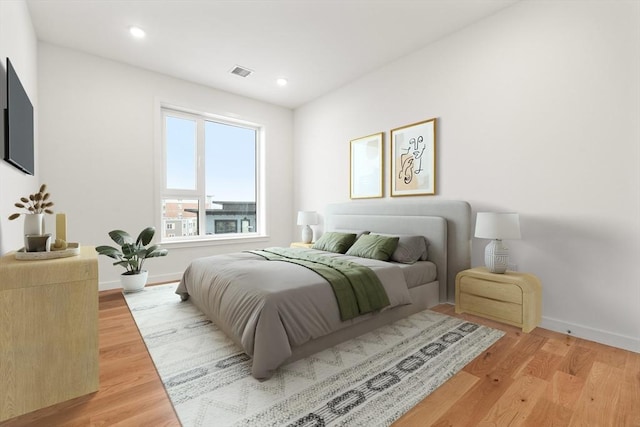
{"x": 137, "y": 32}
{"x": 281, "y": 81}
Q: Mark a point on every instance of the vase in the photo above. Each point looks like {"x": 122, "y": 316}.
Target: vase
{"x": 134, "y": 282}
{"x": 34, "y": 224}
{"x": 37, "y": 243}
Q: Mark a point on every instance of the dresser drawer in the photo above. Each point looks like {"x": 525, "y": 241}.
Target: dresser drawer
{"x": 493, "y": 290}
{"x": 492, "y": 308}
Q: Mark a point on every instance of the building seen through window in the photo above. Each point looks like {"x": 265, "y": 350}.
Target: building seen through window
{"x": 181, "y": 217}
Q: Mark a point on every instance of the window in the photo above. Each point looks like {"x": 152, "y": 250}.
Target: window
{"x": 226, "y": 226}
{"x": 210, "y": 180}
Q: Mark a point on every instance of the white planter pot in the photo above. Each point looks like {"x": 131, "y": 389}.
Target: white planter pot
{"x": 34, "y": 224}
{"x": 134, "y": 282}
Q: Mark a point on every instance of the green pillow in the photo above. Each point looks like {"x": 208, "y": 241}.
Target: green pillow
{"x": 374, "y": 246}
{"x": 335, "y": 242}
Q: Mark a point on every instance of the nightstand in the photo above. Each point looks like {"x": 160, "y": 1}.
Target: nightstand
{"x": 513, "y": 298}
{"x": 301, "y": 245}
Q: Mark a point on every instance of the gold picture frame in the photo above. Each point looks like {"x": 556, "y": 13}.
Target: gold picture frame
{"x": 366, "y": 167}
{"x": 413, "y": 159}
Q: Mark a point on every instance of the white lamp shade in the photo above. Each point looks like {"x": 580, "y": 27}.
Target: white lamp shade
{"x": 501, "y": 226}
{"x": 307, "y": 218}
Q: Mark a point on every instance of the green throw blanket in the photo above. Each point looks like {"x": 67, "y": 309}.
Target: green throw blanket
{"x": 357, "y": 288}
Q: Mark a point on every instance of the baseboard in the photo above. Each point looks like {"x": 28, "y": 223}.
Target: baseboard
{"x": 156, "y": 278}
{"x": 107, "y": 286}
{"x": 592, "y": 334}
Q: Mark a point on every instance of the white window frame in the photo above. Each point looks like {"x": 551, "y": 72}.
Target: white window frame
{"x": 162, "y": 192}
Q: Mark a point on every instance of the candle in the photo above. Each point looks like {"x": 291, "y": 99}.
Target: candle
{"x": 61, "y": 226}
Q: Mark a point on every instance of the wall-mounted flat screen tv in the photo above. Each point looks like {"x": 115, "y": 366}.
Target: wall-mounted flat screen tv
{"x": 18, "y": 149}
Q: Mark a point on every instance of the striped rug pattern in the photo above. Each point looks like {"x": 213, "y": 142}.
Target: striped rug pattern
{"x": 371, "y": 380}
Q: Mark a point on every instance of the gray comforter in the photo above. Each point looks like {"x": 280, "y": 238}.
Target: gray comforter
{"x": 269, "y": 307}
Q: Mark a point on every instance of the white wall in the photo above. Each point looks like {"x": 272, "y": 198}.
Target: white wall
{"x": 97, "y": 127}
{"x": 538, "y": 112}
{"x": 18, "y": 42}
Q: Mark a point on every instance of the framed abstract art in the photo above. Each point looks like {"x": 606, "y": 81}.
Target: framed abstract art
{"x": 413, "y": 159}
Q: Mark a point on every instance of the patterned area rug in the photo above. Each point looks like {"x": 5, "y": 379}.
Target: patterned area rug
{"x": 371, "y": 380}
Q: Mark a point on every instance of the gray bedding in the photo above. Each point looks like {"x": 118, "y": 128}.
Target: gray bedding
{"x": 419, "y": 273}
{"x": 270, "y": 307}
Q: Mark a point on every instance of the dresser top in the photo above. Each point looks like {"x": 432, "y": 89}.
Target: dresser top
{"x": 16, "y": 273}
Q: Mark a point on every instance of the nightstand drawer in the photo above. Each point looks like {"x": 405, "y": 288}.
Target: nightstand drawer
{"x": 493, "y": 290}
{"x": 492, "y": 308}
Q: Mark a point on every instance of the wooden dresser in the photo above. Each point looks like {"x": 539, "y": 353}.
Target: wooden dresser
{"x": 48, "y": 331}
{"x": 513, "y": 298}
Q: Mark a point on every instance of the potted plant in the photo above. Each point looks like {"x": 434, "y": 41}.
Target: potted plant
{"x": 131, "y": 256}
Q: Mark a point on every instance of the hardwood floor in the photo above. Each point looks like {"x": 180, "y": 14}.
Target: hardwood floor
{"x": 130, "y": 393}
{"x": 538, "y": 379}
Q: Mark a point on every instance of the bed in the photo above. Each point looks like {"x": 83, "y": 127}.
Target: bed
{"x": 279, "y": 312}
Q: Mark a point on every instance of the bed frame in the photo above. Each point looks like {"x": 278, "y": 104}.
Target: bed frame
{"x": 447, "y": 226}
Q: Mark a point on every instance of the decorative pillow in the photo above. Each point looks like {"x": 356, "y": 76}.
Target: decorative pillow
{"x": 425, "y": 254}
{"x": 410, "y": 249}
{"x": 334, "y": 241}
{"x": 358, "y": 233}
{"x": 362, "y": 233}
{"x": 374, "y": 246}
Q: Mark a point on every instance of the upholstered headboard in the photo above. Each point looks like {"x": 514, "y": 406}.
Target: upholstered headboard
{"x": 445, "y": 223}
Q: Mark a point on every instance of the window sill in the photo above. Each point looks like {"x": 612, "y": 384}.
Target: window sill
{"x": 213, "y": 241}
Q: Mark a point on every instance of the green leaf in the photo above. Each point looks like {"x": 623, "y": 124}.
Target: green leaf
{"x": 125, "y": 264}
{"x": 146, "y": 235}
{"x": 121, "y": 237}
{"x": 129, "y": 249}
{"x": 152, "y": 248}
{"x": 155, "y": 251}
{"x": 109, "y": 251}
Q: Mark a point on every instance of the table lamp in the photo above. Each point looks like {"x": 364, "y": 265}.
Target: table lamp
{"x": 498, "y": 227}
{"x": 307, "y": 218}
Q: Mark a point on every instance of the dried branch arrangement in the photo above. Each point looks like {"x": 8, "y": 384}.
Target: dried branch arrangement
{"x": 34, "y": 204}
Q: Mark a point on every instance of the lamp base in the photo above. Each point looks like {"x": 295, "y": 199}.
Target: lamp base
{"x": 307, "y": 234}
{"x": 496, "y": 257}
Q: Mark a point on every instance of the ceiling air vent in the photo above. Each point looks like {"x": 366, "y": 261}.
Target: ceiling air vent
{"x": 241, "y": 71}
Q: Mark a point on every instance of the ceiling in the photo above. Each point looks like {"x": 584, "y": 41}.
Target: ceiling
{"x": 318, "y": 45}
